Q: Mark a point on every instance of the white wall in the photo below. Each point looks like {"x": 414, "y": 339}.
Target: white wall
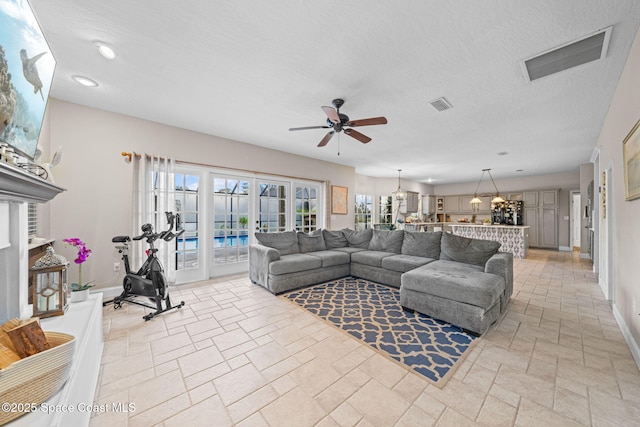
{"x": 97, "y": 203}
{"x": 623, "y": 114}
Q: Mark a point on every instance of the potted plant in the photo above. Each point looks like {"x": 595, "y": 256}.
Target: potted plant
{"x": 80, "y": 290}
{"x": 486, "y": 221}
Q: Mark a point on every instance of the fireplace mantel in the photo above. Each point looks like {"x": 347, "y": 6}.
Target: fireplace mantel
{"x": 19, "y": 185}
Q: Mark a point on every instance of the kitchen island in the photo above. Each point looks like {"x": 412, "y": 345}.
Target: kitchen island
{"x": 514, "y": 238}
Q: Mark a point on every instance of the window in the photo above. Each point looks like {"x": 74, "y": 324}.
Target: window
{"x": 386, "y": 210}
{"x": 33, "y": 219}
{"x": 363, "y": 212}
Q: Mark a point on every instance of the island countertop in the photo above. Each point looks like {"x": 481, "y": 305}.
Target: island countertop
{"x": 462, "y": 224}
{"x": 513, "y": 238}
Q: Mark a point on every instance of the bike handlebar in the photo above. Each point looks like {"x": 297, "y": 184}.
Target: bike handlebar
{"x": 167, "y": 235}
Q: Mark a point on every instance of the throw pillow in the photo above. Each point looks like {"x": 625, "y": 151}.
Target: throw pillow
{"x": 358, "y": 239}
{"x": 286, "y": 242}
{"x": 386, "y": 241}
{"x": 418, "y": 243}
{"x": 464, "y": 249}
{"x": 311, "y": 242}
{"x": 334, "y": 239}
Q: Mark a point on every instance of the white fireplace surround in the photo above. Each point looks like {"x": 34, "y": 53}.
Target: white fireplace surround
{"x": 17, "y": 188}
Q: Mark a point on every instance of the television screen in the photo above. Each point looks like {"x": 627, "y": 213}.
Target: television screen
{"x": 26, "y": 72}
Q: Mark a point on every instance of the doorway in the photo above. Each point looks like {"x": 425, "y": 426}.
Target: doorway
{"x": 576, "y": 220}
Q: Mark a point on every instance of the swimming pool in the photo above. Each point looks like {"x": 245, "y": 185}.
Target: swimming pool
{"x": 191, "y": 243}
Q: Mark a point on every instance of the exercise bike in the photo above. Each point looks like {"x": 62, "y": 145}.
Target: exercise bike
{"x": 149, "y": 281}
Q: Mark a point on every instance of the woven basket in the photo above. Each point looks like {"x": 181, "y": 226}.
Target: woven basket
{"x": 32, "y": 380}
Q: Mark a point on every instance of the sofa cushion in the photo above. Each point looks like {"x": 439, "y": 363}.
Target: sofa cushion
{"x": 386, "y": 241}
{"x": 334, "y": 239}
{"x": 349, "y": 250}
{"x": 311, "y": 242}
{"x": 294, "y": 263}
{"x": 358, "y": 239}
{"x": 404, "y": 263}
{"x": 372, "y": 258}
{"x": 466, "y": 250}
{"x": 455, "y": 281}
{"x": 285, "y": 242}
{"x": 330, "y": 258}
{"x": 418, "y": 243}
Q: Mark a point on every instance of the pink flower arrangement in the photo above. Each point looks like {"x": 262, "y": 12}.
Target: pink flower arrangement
{"x": 83, "y": 254}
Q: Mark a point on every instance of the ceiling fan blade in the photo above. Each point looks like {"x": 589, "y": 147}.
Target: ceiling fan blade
{"x": 368, "y": 122}
{"x": 357, "y": 135}
{"x": 326, "y": 138}
{"x": 311, "y": 127}
{"x": 332, "y": 114}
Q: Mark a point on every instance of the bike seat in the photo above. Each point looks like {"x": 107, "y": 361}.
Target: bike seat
{"x": 121, "y": 239}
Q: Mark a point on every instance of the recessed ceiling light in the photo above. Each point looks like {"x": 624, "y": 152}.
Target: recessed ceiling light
{"x": 503, "y": 153}
{"x": 106, "y": 50}
{"x": 85, "y": 81}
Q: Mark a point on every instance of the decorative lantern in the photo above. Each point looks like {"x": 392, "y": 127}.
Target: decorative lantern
{"x": 49, "y": 287}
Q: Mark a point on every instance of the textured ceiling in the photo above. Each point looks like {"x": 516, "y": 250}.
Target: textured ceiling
{"x": 249, "y": 70}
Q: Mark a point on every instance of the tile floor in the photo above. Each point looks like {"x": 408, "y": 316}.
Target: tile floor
{"x": 237, "y": 355}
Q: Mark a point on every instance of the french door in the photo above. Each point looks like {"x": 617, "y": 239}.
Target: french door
{"x": 271, "y": 206}
{"x": 231, "y": 201}
{"x": 240, "y": 206}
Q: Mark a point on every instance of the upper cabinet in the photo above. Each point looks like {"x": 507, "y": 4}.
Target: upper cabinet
{"x": 451, "y": 203}
{"x": 428, "y": 204}
{"x": 410, "y": 203}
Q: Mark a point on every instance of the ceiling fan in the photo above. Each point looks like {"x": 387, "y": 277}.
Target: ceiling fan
{"x": 341, "y": 122}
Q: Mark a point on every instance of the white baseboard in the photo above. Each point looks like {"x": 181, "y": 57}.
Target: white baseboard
{"x": 564, "y": 248}
{"x": 109, "y": 293}
{"x": 633, "y": 345}
{"x": 585, "y": 256}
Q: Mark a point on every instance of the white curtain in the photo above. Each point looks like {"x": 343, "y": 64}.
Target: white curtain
{"x": 153, "y": 195}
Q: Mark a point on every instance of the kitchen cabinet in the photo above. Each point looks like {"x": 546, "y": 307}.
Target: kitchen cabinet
{"x": 541, "y": 215}
{"x": 410, "y": 203}
{"x": 451, "y": 203}
{"x": 467, "y": 207}
{"x": 428, "y": 204}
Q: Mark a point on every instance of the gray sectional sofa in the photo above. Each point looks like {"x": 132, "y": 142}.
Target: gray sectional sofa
{"x": 463, "y": 281}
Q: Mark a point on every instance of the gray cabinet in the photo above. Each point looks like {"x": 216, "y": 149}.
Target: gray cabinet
{"x": 451, "y": 203}
{"x": 541, "y": 215}
{"x": 428, "y": 204}
{"x": 410, "y": 203}
{"x": 467, "y": 207}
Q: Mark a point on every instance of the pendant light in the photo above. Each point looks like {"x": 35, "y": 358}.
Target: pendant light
{"x": 400, "y": 195}
{"x": 475, "y": 202}
{"x": 497, "y": 198}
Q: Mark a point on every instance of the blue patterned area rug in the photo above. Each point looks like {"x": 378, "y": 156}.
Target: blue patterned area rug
{"x": 372, "y": 313}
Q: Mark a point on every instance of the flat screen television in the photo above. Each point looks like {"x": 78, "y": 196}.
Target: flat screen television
{"x": 26, "y": 73}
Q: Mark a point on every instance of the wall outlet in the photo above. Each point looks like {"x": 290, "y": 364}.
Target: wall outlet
{"x": 116, "y": 266}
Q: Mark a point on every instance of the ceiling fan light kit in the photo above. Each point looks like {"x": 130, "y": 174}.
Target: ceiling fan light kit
{"x": 340, "y": 122}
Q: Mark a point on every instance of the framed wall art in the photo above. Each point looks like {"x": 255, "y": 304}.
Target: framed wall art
{"x": 631, "y": 155}
{"x": 339, "y": 197}
{"x": 26, "y": 74}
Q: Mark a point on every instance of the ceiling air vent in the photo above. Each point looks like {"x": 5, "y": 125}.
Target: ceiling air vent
{"x": 590, "y": 48}
{"x": 440, "y": 104}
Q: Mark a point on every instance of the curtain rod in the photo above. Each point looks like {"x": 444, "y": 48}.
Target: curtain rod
{"x": 184, "y": 162}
